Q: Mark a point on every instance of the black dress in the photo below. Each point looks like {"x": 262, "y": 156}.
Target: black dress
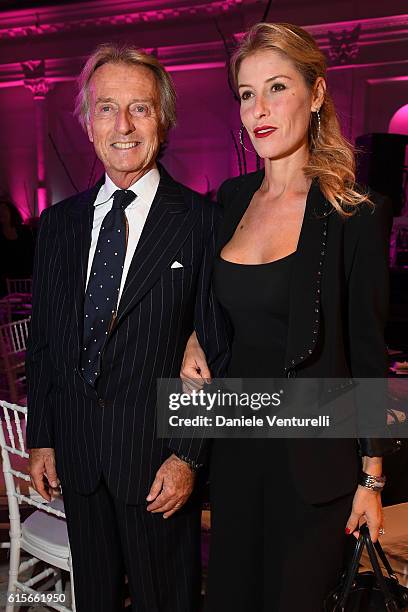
{"x": 265, "y": 539}
{"x": 256, "y": 298}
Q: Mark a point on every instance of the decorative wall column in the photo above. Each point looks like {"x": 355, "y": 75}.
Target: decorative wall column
{"x": 36, "y": 82}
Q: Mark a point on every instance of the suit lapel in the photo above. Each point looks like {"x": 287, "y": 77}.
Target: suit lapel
{"x": 81, "y": 213}
{"x": 168, "y": 224}
{"x": 305, "y": 286}
{"x": 237, "y": 207}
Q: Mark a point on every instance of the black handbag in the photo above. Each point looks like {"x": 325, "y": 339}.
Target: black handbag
{"x": 368, "y": 591}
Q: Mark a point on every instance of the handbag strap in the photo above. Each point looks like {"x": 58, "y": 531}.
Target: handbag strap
{"x": 388, "y": 598}
{"x": 385, "y": 561}
{"x": 350, "y": 575}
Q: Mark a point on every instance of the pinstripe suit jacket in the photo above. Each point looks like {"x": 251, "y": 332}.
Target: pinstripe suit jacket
{"x": 111, "y": 429}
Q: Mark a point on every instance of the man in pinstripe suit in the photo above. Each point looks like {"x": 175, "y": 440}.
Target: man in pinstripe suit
{"x": 92, "y": 421}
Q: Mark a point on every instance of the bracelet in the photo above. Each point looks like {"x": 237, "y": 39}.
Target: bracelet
{"x": 191, "y": 464}
{"x": 375, "y": 483}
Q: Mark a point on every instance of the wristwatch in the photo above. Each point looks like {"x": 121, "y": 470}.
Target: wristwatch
{"x": 193, "y": 465}
{"x": 375, "y": 483}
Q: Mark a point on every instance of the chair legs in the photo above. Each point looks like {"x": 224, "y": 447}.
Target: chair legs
{"x": 14, "y": 565}
{"x": 58, "y": 582}
{"x": 71, "y": 579}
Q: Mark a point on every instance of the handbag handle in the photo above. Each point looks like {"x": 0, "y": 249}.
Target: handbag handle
{"x": 365, "y": 540}
{"x": 389, "y": 600}
{"x": 385, "y": 561}
{"x": 350, "y": 575}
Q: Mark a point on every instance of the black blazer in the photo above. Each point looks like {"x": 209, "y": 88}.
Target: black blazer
{"x": 337, "y": 313}
{"x": 112, "y": 429}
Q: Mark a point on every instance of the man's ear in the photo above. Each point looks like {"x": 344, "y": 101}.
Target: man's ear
{"x": 162, "y": 134}
{"x": 89, "y": 131}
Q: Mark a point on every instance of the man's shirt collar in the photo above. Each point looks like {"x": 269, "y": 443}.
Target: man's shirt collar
{"x": 145, "y": 188}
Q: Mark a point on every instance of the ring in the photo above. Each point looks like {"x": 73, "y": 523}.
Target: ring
{"x": 381, "y": 531}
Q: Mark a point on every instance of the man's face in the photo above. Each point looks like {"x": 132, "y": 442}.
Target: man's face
{"x": 123, "y": 122}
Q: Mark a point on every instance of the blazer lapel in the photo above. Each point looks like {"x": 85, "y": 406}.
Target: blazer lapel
{"x": 168, "y": 224}
{"x": 81, "y": 213}
{"x": 305, "y": 287}
{"x": 237, "y": 207}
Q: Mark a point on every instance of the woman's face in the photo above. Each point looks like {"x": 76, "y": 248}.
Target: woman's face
{"x": 276, "y": 104}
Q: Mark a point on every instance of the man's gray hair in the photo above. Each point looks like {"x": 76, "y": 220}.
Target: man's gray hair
{"x": 115, "y": 54}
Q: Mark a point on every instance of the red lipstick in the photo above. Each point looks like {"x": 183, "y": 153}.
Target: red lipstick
{"x": 262, "y": 131}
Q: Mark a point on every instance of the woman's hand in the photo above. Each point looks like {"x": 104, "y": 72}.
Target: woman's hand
{"x": 194, "y": 369}
{"x": 367, "y": 503}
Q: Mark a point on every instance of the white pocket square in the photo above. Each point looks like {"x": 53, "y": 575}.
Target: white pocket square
{"x": 176, "y": 264}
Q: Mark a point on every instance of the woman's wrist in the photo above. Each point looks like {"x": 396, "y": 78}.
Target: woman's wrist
{"x": 371, "y": 476}
{"x": 372, "y": 465}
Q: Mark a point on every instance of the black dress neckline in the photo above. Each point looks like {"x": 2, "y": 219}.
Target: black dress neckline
{"x": 267, "y": 263}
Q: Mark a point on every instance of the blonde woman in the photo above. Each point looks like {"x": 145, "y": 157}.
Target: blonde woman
{"x": 301, "y": 275}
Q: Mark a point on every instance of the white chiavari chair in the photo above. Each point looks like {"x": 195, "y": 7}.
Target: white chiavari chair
{"x": 13, "y": 344}
{"x": 43, "y": 535}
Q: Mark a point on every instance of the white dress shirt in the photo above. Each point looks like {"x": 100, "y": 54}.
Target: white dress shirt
{"x": 136, "y": 213}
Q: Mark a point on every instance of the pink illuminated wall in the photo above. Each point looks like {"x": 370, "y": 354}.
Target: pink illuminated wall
{"x": 367, "y": 78}
{"x": 17, "y": 150}
{"x": 200, "y": 149}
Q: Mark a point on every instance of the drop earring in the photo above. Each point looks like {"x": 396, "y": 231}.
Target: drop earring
{"x": 318, "y": 124}
{"x": 241, "y": 139}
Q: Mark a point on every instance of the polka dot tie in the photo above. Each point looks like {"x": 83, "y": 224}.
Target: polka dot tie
{"x": 101, "y": 297}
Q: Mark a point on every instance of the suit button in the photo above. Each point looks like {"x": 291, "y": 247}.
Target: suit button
{"x": 101, "y": 402}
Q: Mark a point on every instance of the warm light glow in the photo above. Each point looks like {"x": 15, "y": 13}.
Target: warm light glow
{"x": 399, "y": 121}
{"x": 41, "y": 199}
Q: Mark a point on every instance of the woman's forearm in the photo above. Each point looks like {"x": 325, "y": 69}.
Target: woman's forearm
{"x": 372, "y": 465}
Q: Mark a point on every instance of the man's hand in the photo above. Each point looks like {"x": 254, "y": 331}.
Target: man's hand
{"x": 172, "y": 487}
{"x": 194, "y": 369}
{"x": 42, "y": 470}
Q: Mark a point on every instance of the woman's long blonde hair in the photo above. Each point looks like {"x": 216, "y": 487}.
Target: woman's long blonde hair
{"x": 332, "y": 158}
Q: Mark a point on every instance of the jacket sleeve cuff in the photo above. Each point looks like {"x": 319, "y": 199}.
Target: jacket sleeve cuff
{"x": 378, "y": 447}
{"x": 195, "y": 451}
{"x": 40, "y": 436}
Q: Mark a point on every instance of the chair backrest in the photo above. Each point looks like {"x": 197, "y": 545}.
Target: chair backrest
{"x": 13, "y": 421}
{"x": 19, "y": 285}
{"x": 13, "y": 341}
{"x": 13, "y": 337}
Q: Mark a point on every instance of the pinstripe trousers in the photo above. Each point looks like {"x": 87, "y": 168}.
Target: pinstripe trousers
{"x": 109, "y": 538}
